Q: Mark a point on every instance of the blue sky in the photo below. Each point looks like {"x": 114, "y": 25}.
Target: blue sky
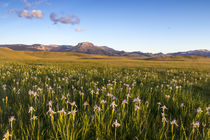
{"x": 130, "y": 25}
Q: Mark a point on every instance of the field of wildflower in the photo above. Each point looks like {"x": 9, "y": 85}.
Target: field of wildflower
{"x": 75, "y": 101}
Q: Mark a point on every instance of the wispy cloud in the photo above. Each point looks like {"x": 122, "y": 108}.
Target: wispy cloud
{"x": 29, "y": 12}
{"x": 79, "y": 29}
{"x": 4, "y": 5}
{"x": 11, "y": 11}
{"x": 64, "y": 19}
{"x": 29, "y": 5}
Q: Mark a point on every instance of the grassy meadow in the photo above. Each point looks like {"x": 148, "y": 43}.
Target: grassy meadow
{"x": 72, "y": 96}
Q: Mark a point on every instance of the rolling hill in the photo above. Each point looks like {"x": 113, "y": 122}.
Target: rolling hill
{"x": 8, "y": 54}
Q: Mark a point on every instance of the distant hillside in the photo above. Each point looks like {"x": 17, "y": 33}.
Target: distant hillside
{"x": 193, "y": 52}
{"x": 8, "y": 54}
{"x": 176, "y": 58}
{"x": 90, "y": 48}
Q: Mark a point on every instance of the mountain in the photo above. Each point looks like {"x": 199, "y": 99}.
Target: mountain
{"x": 90, "y": 48}
{"x": 34, "y": 47}
{"x": 84, "y": 47}
{"x": 201, "y": 52}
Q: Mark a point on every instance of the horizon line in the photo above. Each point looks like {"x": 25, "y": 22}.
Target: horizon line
{"x": 199, "y": 49}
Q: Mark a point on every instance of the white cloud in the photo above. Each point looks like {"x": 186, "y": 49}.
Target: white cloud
{"x": 65, "y": 19}
{"x": 28, "y": 12}
{"x": 32, "y": 14}
{"x": 23, "y": 13}
{"x": 37, "y": 14}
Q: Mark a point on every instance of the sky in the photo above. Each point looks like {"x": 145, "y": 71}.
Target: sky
{"x": 129, "y": 25}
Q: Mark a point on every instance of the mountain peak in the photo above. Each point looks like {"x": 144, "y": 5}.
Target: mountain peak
{"x": 85, "y": 44}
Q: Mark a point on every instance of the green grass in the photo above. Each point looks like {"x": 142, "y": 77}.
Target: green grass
{"x": 68, "y": 78}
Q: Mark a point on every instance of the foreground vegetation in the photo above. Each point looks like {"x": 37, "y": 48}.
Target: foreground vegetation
{"x": 91, "y": 99}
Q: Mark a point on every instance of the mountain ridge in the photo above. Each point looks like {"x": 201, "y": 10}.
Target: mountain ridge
{"x": 90, "y": 48}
